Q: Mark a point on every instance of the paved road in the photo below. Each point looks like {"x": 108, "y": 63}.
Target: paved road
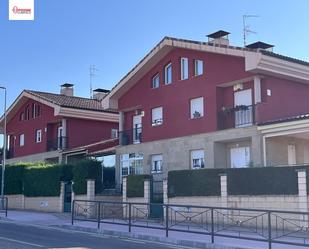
{"x": 19, "y": 236}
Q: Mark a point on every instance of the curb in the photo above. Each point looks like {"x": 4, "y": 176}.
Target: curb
{"x": 185, "y": 243}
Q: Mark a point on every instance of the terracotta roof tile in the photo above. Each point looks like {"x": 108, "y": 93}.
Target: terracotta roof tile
{"x": 70, "y": 101}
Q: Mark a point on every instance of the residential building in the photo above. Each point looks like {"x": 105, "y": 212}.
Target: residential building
{"x": 192, "y": 104}
{"x": 61, "y": 127}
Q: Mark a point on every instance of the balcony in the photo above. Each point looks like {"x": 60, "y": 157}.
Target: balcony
{"x": 60, "y": 143}
{"x": 130, "y": 136}
{"x": 235, "y": 117}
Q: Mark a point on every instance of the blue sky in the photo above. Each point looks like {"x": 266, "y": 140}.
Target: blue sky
{"x": 68, "y": 36}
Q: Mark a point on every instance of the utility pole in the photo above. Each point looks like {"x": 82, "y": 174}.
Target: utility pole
{"x": 4, "y": 150}
{"x": 246, "y": 27}
{"x": 92, "y": 74}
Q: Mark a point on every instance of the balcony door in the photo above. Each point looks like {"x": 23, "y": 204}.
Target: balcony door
{"x": 137, "y": 129}
{"x": 59, "y": 140}
{"x": 243, "y": 105}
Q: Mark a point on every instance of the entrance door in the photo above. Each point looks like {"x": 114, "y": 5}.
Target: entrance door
{"x": 156, "y": 198}
{"x": 243, "y": 117}
{"x": 240, "y": 157}
{"x": 137, "y": 129}
{"x": 67, "y": 197}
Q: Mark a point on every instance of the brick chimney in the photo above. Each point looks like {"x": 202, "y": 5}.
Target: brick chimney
{"x": 67, "y": 89}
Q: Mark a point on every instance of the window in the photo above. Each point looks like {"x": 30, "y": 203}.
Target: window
{"x": 38, "y": 136}
{"x": 157, "y": 116}
{"x": 131, "y": 164}
{"x": 156, "y": 163}
{"x": 198, "y": 67}
{"x": 197, "y": 107}
{"x": 36, "y": 110}
{"x": 155, "y": 81}
{"x": 21, "y": 140}
{"x": 184, "y": 65}
{"x": 197, "y": 159}
{"x": 168, "y": 74}
{"x": 22, "y": 116}
{"x": 114, "y": 133}
{"x": 27, "y": 113}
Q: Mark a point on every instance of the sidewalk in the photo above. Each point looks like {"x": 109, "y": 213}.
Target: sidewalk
{"x": 63, "y": 220}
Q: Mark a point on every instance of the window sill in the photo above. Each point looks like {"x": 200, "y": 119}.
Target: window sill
{"x": 155, "y": 125}
{"x": 196, "y": 118}
{"x": 156, "y": 172}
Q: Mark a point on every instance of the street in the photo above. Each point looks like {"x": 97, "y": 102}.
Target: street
{"x": 20, "y": 236}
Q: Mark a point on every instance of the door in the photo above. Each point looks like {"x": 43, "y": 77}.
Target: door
{"x": 59, "y": 139}
{"x": 291, "y": 154}
{"x": 156, "y": 197}
{"x": 67, "y": 197}
{"x": 137, "y": 129}
{"x": 243, "y": 117}
{"x": 240, "y": 157}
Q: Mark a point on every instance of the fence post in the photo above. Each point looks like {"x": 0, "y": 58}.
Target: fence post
{"x": 269, "y": 230}
{"x": 147, "y": 191}
{"x": 124, "y": 189}
{"x": 129, "y": 217}
{"x": 302, "y": 196}
{"x": 90, "y": 189}
{"x": 212, "y": 226}
{"x": 223, "y": 183}
{"x": 166, "y": 220}
{"x": 99, "y": 214}
{"x": 61, "y": 197}
{"x": 72, "y": 212}
{"x": 6, "y": 206}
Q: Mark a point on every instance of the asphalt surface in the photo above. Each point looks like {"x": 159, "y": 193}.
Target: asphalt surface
{"x": 20, "y": 236}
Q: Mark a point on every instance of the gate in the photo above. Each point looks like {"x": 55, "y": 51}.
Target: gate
{"x": 67, "y": 197}
{"x": 156, "y": 198}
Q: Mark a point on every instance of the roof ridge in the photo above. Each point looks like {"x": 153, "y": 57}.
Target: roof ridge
{"x": 59, "y": 94}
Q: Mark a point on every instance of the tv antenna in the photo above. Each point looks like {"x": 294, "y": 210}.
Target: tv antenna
{"x": 246, "y": 28}
{"x": 92, "y": 74}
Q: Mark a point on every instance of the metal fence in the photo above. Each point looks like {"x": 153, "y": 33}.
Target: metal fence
{"x": 270, "y": 226}
{"x": 4, "y": 206}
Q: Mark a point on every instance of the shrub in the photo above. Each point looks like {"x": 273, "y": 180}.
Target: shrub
{"x": 108, "y": 177}
{"x": 263, "y": 181}
{"x": 42, "y": 180}
{"x": 135, "y": 185}
{"x": 86, "y": 169}
{"x": 202, "y": 182}
{"x": 13, "y": 179}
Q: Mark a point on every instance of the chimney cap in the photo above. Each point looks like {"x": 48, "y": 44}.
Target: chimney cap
{"x": 67, "y": 85}
{"x": 259, "y": 44}
{"x": 218, "y": 34}
{"x": 100, "y": 90}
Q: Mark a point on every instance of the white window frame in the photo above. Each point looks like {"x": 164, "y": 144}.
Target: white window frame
{"x": 157, "y": 163}
{"x": 198, "y": 67}
{"x": 196, "y": 112}
{"x": 155, "y": 84}
{"x": 114, "y": 133}
{"x": 21, "y": 140}
{"x": 131, "y": 164}
{"x": 38, "y": 136}
{"x": 184, "y": 68}
{"x": 197, "y": 159}
{"x": 155, "y": 121}
{"x": 168, "y": 80}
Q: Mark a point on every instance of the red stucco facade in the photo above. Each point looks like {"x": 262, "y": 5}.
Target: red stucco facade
{"x": 218, "y": 69}
{"x": 79, "y": 131}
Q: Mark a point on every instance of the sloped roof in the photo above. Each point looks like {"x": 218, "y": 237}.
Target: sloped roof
{"x": 70, "y": 101}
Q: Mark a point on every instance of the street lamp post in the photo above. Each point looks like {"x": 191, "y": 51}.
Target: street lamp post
{"x": 4, "y": 149}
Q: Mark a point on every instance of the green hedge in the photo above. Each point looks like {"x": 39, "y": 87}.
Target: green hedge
{"x": 244, "y": 181}
{"x": 201, "y": 182}
{"x": 135, "y": 185}
{"x": 42, "y": 180}
{"x": 14, "y": 175}
{"x": 108, "y": 177}
{"x": 83, "y": 170}
{"x": 263, "y": 181}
